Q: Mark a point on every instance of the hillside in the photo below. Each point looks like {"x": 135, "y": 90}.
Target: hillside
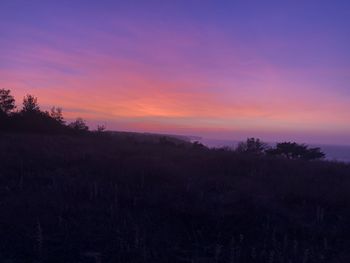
{"x": 113, "y": 198}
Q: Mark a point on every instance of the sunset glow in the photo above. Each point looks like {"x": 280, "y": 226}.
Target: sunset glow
{"x": 219, "y": 69}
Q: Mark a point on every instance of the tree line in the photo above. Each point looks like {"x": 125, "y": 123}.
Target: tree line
{"x": 289, "y": 150}
{"x": 30, "y": 117}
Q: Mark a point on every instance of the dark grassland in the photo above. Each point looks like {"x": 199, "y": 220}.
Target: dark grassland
{"x": 128, "y": 198}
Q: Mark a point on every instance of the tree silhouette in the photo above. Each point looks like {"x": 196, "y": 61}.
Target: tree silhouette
{"x": 292, "y": 150}
{"x": 313, "y": 154}
{"x": 32, "y": 119}
{"x": 79, "y": 125}
{"x": 252, "y": 146}
{"x": 7, "y": 102}
{"x": 30, "y": 104}
{"x": 56, "y": 114}
{"x": 101, "y": 128}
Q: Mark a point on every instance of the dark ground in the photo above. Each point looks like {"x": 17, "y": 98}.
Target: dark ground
{"x": 124, "y": 198}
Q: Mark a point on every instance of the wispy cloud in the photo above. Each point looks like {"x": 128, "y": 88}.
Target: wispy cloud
{"x": 194, "y": 79}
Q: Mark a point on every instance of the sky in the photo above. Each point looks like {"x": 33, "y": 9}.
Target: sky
{"x": 276, "y": 70}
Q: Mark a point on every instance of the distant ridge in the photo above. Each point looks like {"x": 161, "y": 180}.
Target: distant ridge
{"x": 187, "y": 138}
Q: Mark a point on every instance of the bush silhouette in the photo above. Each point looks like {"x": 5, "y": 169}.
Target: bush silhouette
{"x": 79, "y": 125}
{"x": 292, "y": 150}
{"x": 252, "y": 146}
{"x": 101, "y": 128}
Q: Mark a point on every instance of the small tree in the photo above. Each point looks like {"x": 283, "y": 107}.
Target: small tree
{"x": 7, "y": 102}
{"x": 252, "y": 146}
{"x": 56, "y": 114}
{"x": 79, "y": 125}
{"x": 30, "y": 104}
{"x": 101, "y": 128}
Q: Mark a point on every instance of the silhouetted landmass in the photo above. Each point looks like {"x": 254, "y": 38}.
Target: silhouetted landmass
{"x": 127, "y": 197}
{"x": 31, "y": 119}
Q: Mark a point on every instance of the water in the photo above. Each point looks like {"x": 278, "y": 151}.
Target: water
{"x": 333, "y": 152}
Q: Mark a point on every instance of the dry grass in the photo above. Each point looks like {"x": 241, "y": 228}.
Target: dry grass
{"x": 121, "y": 199}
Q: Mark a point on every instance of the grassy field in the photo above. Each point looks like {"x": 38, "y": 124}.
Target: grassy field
{"x": 130, "y": 198}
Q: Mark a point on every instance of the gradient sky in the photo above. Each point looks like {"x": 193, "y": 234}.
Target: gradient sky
{"x": 278, "y": 70}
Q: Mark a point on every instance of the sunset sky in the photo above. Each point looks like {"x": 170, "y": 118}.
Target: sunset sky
{"x": 277, "y": 70}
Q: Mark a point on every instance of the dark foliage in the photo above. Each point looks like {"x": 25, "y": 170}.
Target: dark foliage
{"x": 7, "y": 102}
{"x": 30, "y": 118}
{"x": 292, "y": 150}
{"x": 120, "y": 197}
{"x": 252, "y": 146}
{"x": 30, "y": 105}
{"x": 7, "y": 105}
{"x": 101, "y": 128}
{"x": 79, "y": 125}
{"x": 56, "y": 114}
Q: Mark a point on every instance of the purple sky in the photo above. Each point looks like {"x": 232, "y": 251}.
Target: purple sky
{"x": 278, "y": 70}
